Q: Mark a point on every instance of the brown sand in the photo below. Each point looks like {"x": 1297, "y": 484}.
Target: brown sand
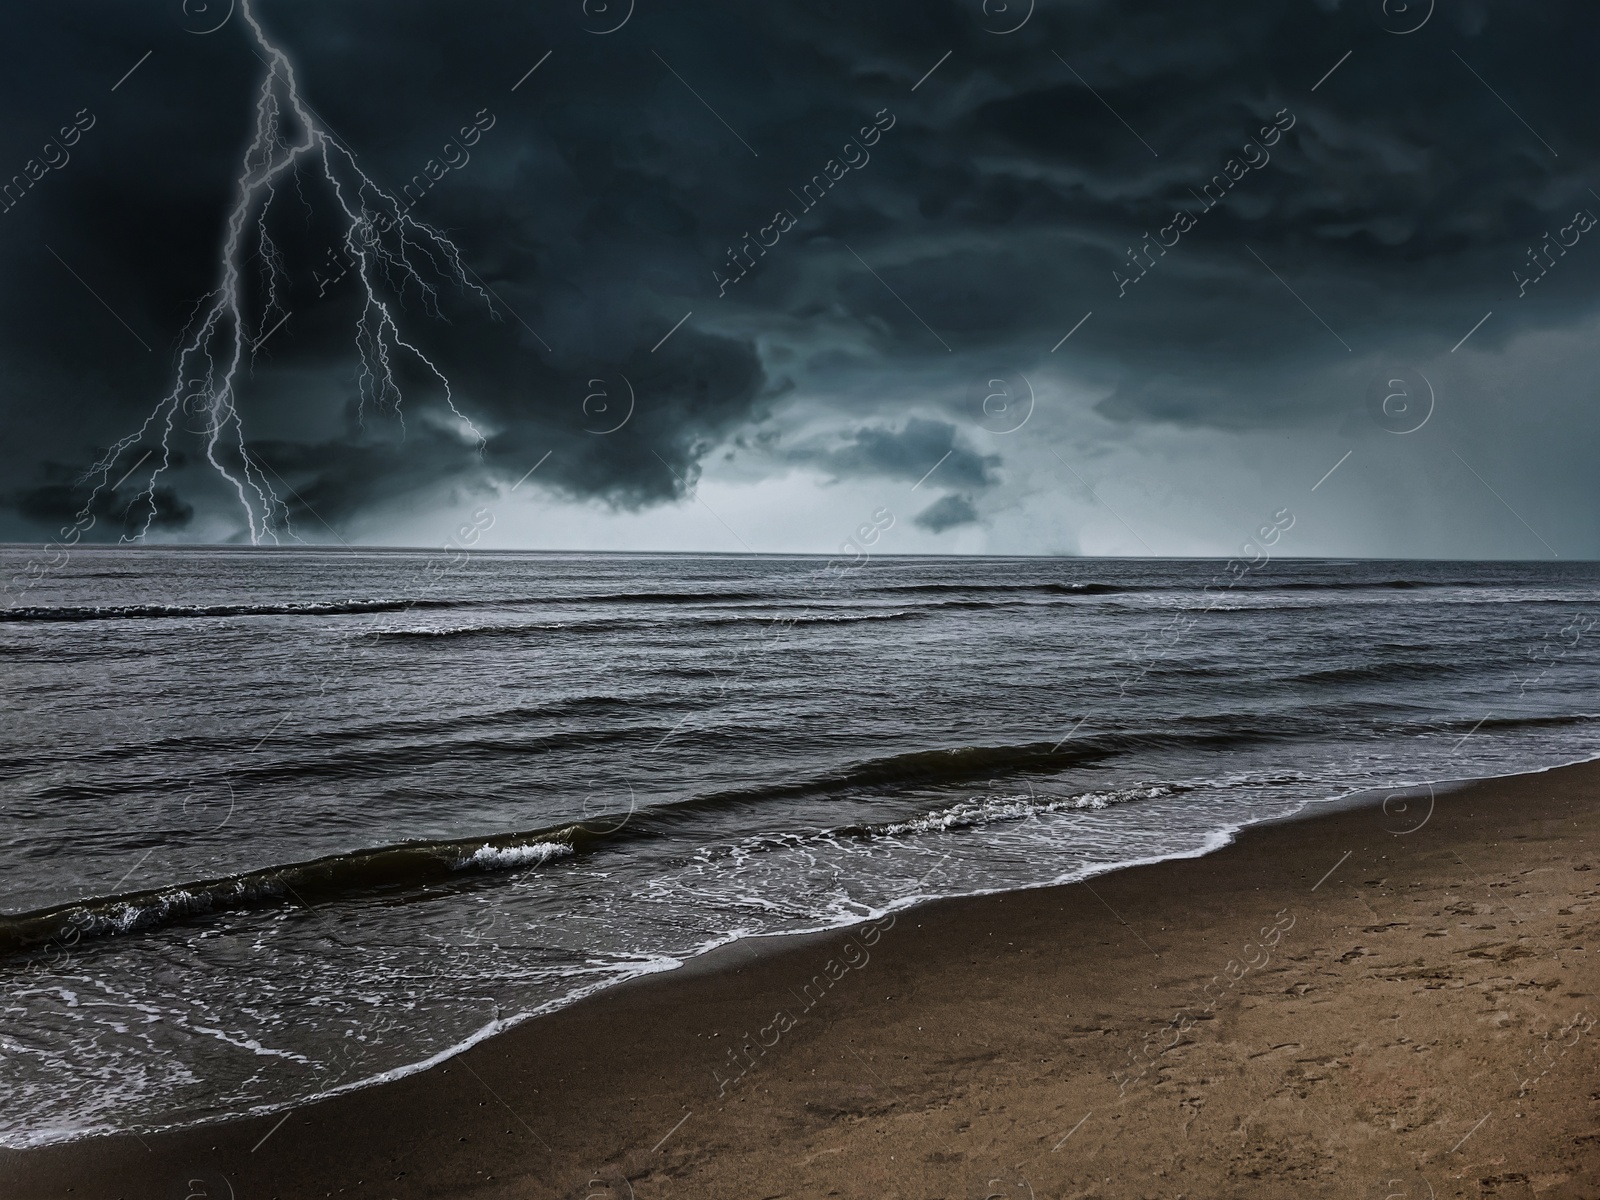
{"x": 1422, "y": 1028}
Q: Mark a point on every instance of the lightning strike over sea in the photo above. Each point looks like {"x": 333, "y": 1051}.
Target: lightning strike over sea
{"x": 381, "y": 240}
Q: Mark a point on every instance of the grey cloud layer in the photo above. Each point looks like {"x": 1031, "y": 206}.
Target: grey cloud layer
{"x": 1001, "y": 206}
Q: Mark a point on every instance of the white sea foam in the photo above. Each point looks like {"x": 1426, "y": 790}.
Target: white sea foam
{"x": 985, "y": 810}
{"x": 500, "y": 858}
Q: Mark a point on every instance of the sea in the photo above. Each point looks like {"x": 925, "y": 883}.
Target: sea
{"x": 277, "y": 823}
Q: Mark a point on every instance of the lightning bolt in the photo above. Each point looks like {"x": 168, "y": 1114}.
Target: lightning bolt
{"x": 386, "y": 247}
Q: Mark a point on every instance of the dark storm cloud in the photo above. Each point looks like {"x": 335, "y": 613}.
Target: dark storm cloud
{"x": 644, "y": 427}
{"x": 947, "y": 512}
{"x": 998, "y": 205}
{"x": 911, "y": 452}
{"x": 117, "y": 512}
{"x": 117, "y": 248}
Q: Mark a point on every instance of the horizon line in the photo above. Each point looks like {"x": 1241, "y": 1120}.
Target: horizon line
{"x": 492, "y": 552}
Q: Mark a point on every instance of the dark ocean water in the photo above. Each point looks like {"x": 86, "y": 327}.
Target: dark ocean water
{"x": 275, "y": 823}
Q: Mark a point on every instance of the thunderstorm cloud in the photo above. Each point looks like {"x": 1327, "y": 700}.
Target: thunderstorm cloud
{"x": 785, "y": 246}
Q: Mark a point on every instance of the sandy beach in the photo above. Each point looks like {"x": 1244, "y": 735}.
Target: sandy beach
{"x": 787, "y": 601}
{"x": 1386, "y": 1000}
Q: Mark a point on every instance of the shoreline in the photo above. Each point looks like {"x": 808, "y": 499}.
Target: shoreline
{"x": 717, "y": 974}
{"x": 1217, "y": 840}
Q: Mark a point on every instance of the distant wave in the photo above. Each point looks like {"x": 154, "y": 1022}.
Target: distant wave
{"x": 534, "y": 629}
{"x": 1360, "y": 585}
{"x": 1554, "y": 721}
{"x": 130, "y": 612}
{"x": 525, "y": 630}
{"x": 780, "y": 595}
{"x": 916, "y": 767}
{"x": 1385, "y": 672}
{"x": 1053, "y": 588}
{"x": 419, "y": 735}
{"x": 816, "y": 618}
{"x": 649, "y": 598}
{"x": 1201, "y": 577}
{"x": 360, "y": 762}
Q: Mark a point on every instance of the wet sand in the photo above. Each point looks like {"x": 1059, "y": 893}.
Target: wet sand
{"x": 1364, "y": 1003}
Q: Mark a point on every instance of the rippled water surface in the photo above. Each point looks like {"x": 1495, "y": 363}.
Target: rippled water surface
{"x": 278, "y": 822}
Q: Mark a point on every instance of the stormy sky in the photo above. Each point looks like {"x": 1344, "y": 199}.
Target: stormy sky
{"x": 1033, "y": 276}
